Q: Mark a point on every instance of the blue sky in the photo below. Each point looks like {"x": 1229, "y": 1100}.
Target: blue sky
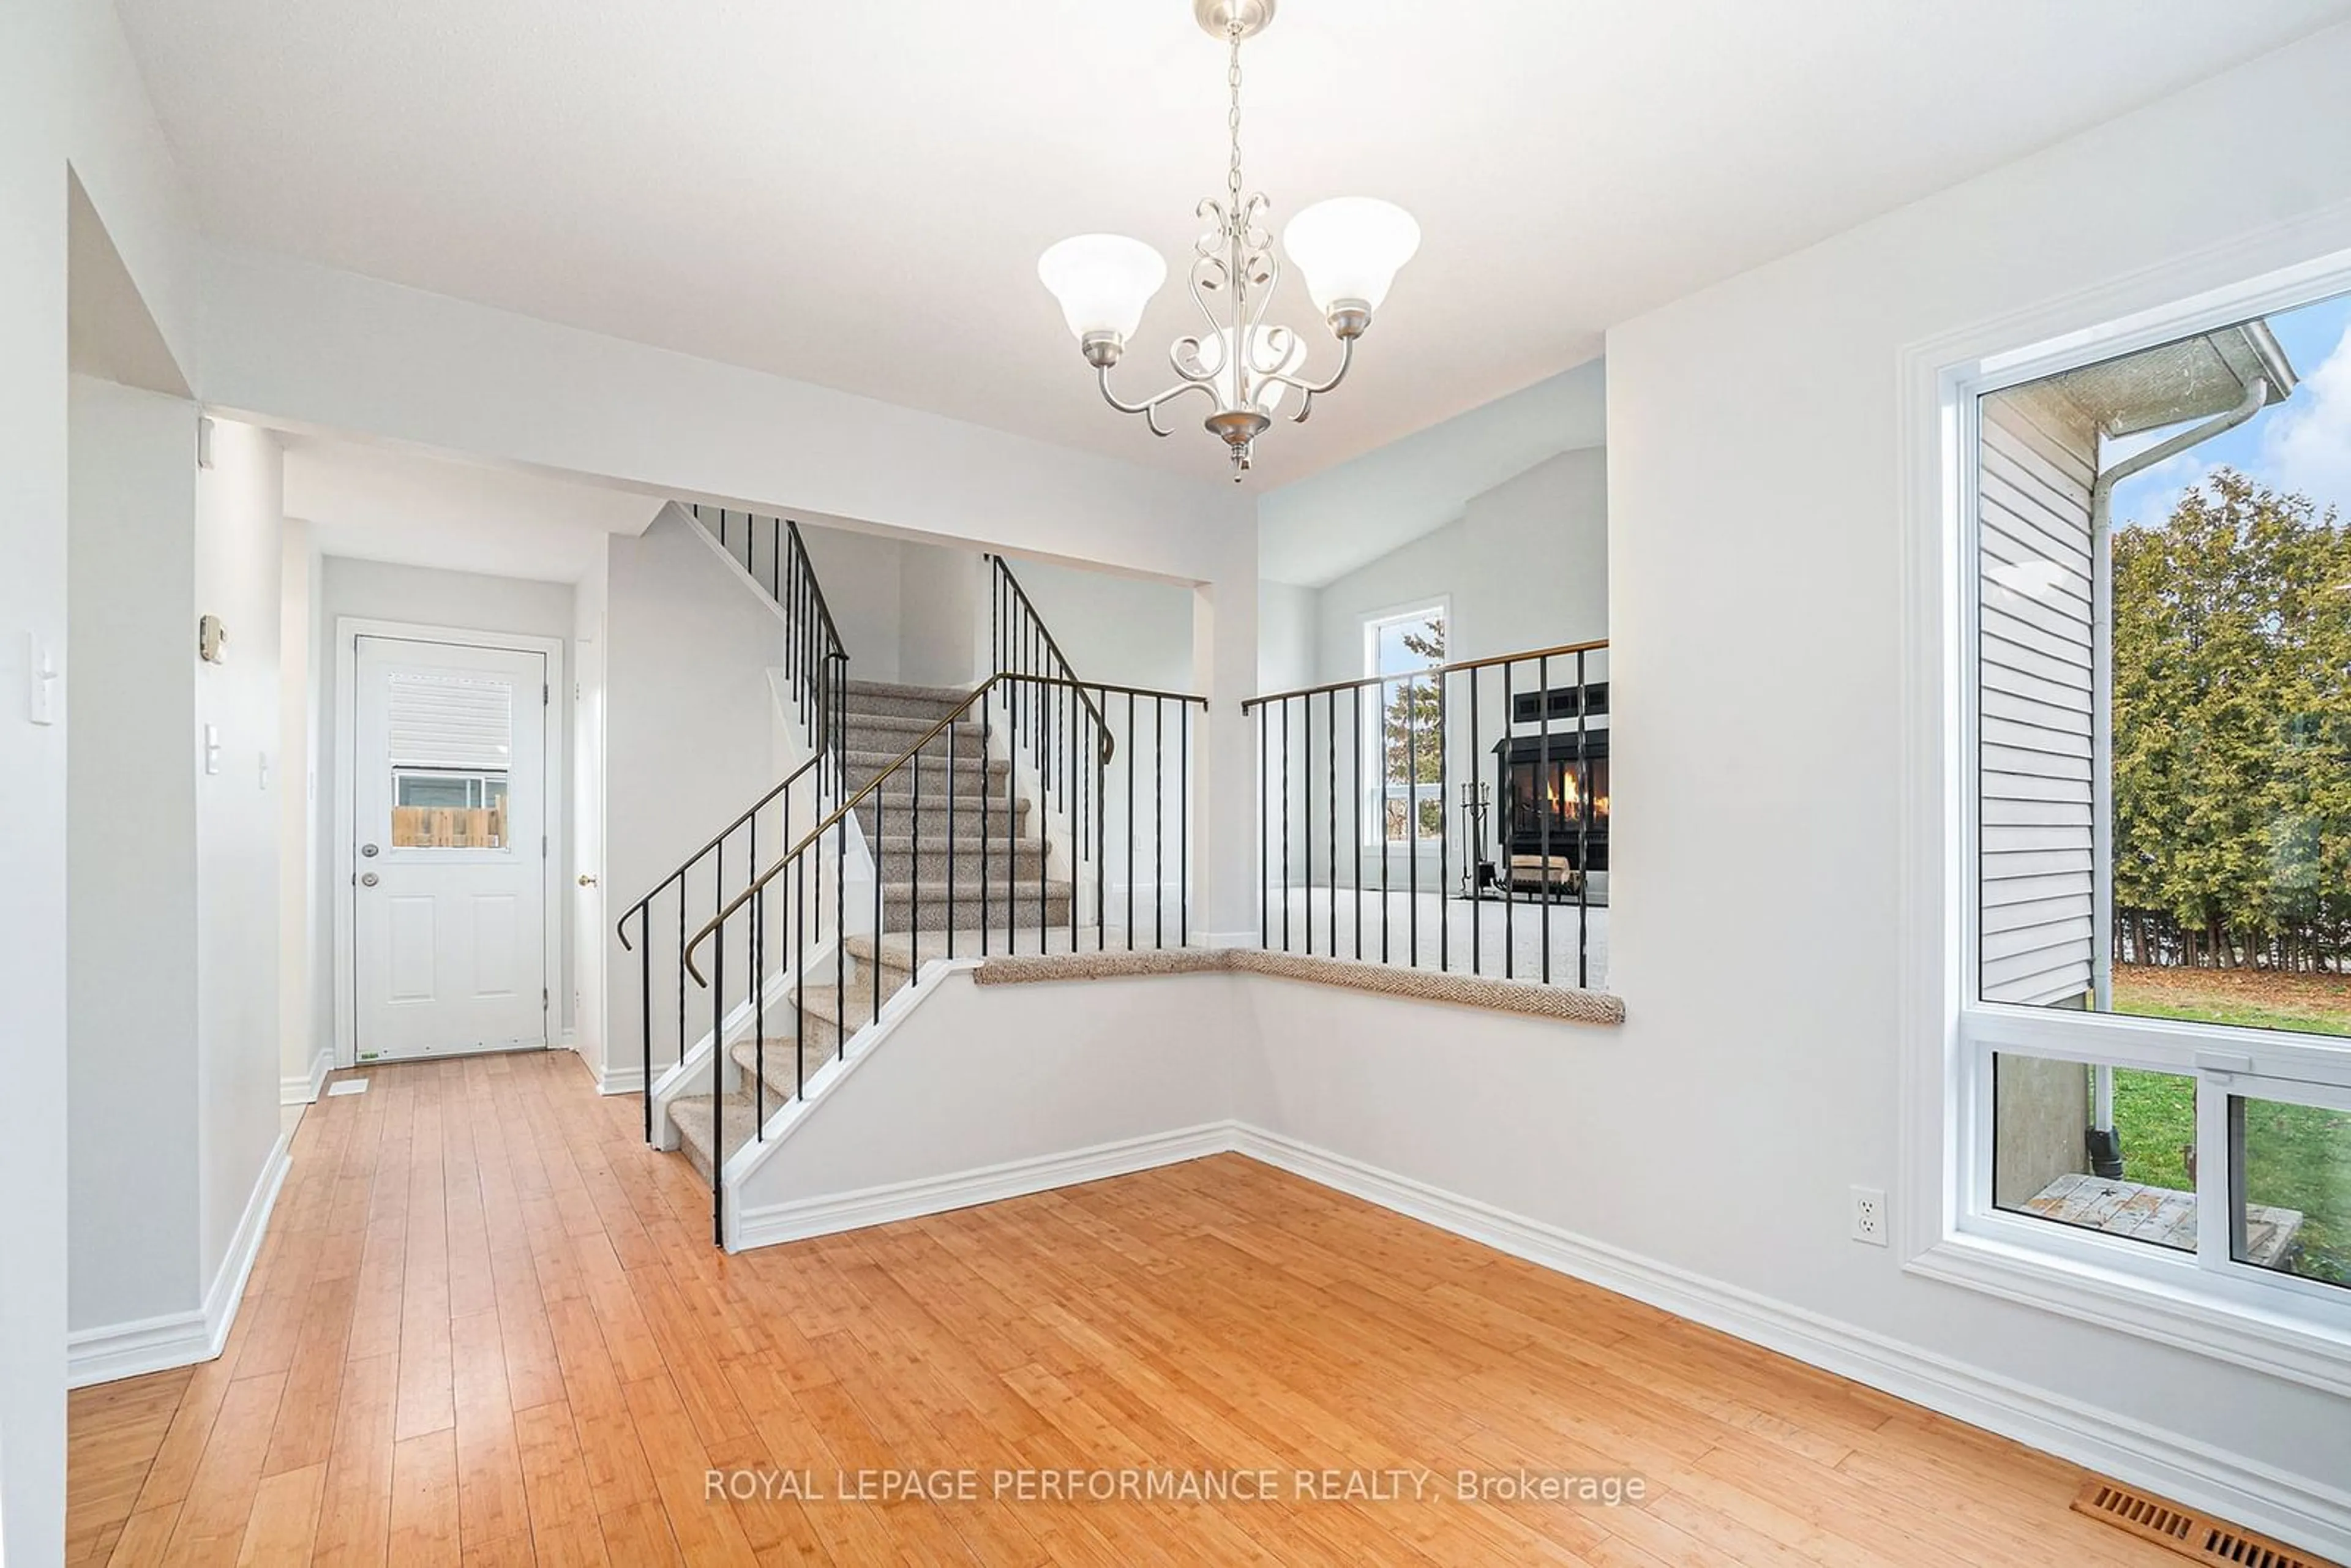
{"x": 2301, "y": 444}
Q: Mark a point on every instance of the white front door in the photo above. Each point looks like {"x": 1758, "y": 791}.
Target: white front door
{"x": 449, "y": 849}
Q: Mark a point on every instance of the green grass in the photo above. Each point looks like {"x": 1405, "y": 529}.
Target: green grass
{"x": 2246, "y": 1015}
{"x": 2296, "y": 1156}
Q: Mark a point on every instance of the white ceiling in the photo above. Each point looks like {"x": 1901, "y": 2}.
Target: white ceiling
{"x": 856, "y": 195}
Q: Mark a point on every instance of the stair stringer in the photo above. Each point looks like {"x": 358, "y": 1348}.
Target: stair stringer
{"x": 960, "y": 1094}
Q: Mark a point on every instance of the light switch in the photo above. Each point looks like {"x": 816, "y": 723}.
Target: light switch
{"x": 265, "y": 771}
{"x": 212, "y": 749}
{"x": 41, "y": 684}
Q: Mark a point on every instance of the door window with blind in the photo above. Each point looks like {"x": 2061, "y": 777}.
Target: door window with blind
{"x": 452, "y": 742}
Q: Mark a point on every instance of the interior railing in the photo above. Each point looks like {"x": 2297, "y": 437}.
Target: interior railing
{"x": 816, "y": 663}
{"x": 816, "y": 670}
{"x": 1041, "y": 890}
{"x": 1453, "y": 817}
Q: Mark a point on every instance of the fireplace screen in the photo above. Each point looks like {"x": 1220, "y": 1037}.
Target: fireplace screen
{"x": 1545, "y": 788}
{"x": 1556, "y": 789}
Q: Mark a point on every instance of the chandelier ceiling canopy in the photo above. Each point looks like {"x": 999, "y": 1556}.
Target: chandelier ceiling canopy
{"x": 1347, "y": 249}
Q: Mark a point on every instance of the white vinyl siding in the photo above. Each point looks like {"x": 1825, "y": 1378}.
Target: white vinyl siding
{"x": 2034, "y": 715}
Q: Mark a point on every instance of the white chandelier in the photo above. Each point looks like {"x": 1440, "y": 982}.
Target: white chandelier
{"x": 1348, "y": 250}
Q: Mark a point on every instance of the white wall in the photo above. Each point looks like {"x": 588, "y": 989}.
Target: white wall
{"x": 862, "y": 577}
{"x": 1524, "y": 566}
{"x": 131, "y": 857}
{"x": 1757, "y": 504}
{"x": 691, "y": 736}
{"x": 1323, "y": 526}
{"x": 69, "y": 91}
{"x": 979, "y": 1077}
{"x": 239, "y": 505}
{"x": 465, "y": 601}
{"x": 304, "y": 682}
{"x": 941, "y": 618}
{"x": 173, "y": 907}
{"x": 1286, "y": 634}
{"x": 1127, "y": 631}
{"x": 590, "y": 900}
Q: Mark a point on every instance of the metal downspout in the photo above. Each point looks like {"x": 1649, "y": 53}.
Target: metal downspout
{"x": 2102, "y": 705}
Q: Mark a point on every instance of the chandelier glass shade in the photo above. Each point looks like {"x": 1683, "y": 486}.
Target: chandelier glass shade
{"x": 1347, "y": 250}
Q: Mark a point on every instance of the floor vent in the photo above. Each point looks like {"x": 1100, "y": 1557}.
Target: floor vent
{"x": 2190, "y": 1534}
{"x": 348, "y": 1086}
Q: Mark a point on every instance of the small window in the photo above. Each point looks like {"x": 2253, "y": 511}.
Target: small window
{"x": 2100, "y": 1148}
{"x": 451, "y": 741}
{"x": 2292, "y": 1174}
{"x": 448, "y": 810}
{"x": 1407, "y": 803}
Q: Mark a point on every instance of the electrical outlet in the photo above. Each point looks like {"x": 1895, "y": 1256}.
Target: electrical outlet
{"x": 1869, "y": 1215}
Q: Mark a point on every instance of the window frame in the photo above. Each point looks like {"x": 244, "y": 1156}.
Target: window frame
{"x": 1377, "y": 792}
{"x": 1944, "y": 1223}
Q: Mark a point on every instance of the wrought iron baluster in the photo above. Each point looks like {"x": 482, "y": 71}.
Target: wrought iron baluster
{"x": 1355, "y": 834}
{"x": 1443, "y": 836}
{"x": 1306, "y": 747}
{"x": 1130, "y": 821}
{"x": 1545, "y": 799}
{"x": 1184, "y": 824}
{"x": 1587, "y": 796}
{"x": 1284, "y": 824}
{"x": 645, "y": 1005}
{"x": 1504, "y": 859}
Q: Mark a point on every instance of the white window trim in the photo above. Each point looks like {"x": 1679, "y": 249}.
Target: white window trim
{"x": 1944, "y": 1225}
{"x": 1377, "y": 790}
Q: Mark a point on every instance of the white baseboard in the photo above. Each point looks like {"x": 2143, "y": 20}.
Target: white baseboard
{"x": 303, "y": 1089}
{"x": 798, "y": 1221}
{"x": 183, "y": 1339}
{"x": 625, "y": 1080}
{"x": 2293, "y": 1508}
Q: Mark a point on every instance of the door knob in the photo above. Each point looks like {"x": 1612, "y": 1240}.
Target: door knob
{"x": 587, "y": 881}
{"x": 368, "y": 880}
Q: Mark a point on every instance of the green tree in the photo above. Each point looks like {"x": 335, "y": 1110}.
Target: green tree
{"x": 1413, "y": 728}
{"x": 2232, "y": 730}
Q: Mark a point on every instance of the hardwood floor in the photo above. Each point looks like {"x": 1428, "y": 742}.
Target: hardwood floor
{"x": 488, "y": 1327}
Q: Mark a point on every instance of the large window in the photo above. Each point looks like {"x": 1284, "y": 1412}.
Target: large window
{"x": 1406, "y": 803}
{"x": 2160, "y": 640}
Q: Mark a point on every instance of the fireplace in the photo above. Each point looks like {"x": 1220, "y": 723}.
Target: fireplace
{"x": 1544, "y": 787}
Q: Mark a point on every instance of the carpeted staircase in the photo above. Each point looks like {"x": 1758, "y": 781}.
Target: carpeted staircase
{"x": 917, "y": 862}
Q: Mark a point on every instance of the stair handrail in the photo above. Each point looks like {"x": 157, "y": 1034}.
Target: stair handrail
{"x": 1066, "y": 672}
{"x": 644, "y": 904}
{"x": 1565, "y": 650}
{"x": 841, "y": 813}
{"x": 815, "y": 656}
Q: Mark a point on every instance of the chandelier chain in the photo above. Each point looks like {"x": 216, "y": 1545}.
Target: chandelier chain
{"x": 1233, "y": 118}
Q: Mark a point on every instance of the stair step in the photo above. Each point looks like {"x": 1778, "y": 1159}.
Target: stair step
{"x": 895, "y": 735}
{"x": 971, "y": 811}
{"x": 895, "y": 951}
{"x": 930, "y": 704}
{"x": 816, "y": 1048}
{"x": 822, "y": 1023}
{"x": 969, "y": 775}
{"x": 969, "y": 861}
{"x": 1023, "y": 895}
{"x": 690, "y": 1114}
